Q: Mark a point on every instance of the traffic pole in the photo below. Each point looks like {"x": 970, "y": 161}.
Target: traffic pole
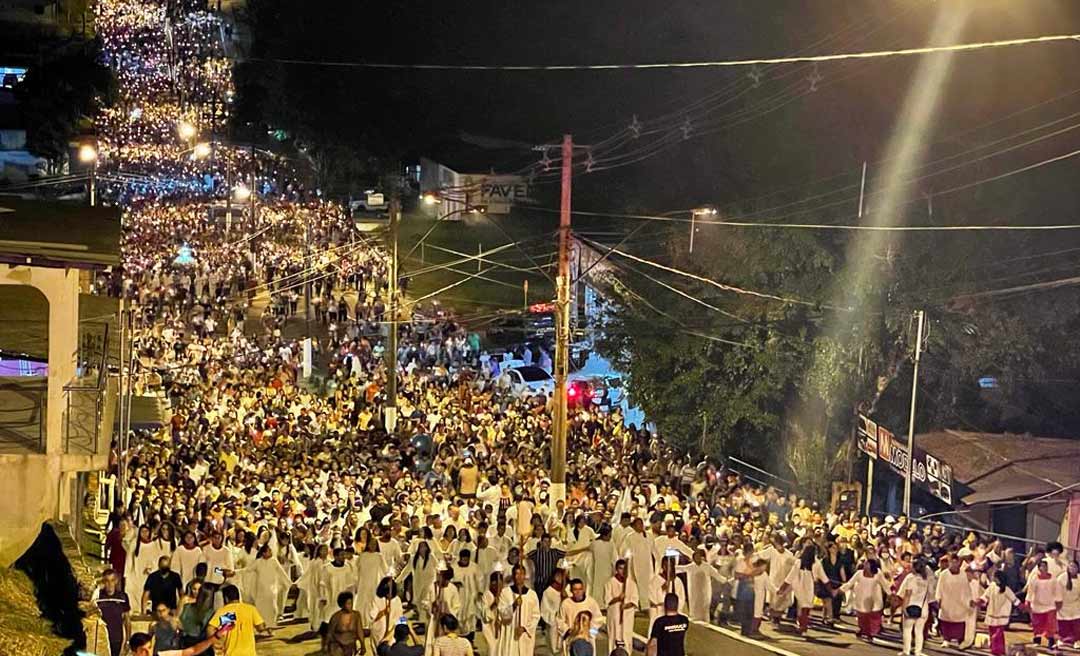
{"x": 562, "y": 332}
{"x": 390, "y": 411}
{"x": 920, "y": 317}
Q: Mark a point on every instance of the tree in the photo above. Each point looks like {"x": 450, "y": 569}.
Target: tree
{"x": 59, "y": 98}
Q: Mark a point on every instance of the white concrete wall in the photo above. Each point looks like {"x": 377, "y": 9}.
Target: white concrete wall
{"x": 33, "y": 487}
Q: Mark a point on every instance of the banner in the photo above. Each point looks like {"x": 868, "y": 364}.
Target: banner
{"x": 928, "y": 472}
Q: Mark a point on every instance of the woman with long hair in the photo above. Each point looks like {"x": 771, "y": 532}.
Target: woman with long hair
{"x": 999, "y": 600}
{"x": 801, "y": 580}
{"x": 421, "y": 568}
{"x": 196, "y": 613}
{"x": 1069, "y": 613}
{"x": 914, "y": 595}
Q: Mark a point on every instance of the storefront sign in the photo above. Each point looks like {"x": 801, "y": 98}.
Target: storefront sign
{"x": 927, "y": 471}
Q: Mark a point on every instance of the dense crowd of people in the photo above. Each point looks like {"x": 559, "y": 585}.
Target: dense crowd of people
{"x": 443, "y": 533}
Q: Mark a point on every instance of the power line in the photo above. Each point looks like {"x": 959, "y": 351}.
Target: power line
{"x": 720, "y": 285}
{"x": 724, "y": 63}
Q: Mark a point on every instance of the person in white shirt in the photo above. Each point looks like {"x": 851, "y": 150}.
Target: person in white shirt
{"x": 1044, "y": 594}
{"x": 781, "y": 562}
{"x": 1069, "y": 613}
{"x": 867, "y": 589}
{"x": 573, "y": 606}
{"x": 914, "y": 595}
{"x": 700, "y": 576}
{"x": 187, "y": 556}
{"x": 999, "y": 600}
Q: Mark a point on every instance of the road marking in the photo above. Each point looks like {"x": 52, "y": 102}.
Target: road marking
{"x": 780, "y": 651}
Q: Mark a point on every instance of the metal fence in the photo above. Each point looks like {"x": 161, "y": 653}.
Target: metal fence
{"x": 85, "y": 395}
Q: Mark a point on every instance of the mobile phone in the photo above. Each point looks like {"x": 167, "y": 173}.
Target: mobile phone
{"x": 403, "y": 620}
{"x": 227, "y": 619}
{"x": 671, "y": 553}
{"x": 594, "y": 631}
{"x": 218, "y": 570}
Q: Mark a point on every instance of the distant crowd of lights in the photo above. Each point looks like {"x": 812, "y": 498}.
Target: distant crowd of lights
{"x": 158, "y": 158}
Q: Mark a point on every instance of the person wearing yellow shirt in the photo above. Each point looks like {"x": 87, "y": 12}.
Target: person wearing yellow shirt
{"x": 240, "y": 641}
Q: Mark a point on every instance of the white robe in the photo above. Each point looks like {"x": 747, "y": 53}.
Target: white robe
{"x": 954, "y": 596}
{"x": 699, "y": 581}
{"x": 314, "y": 588}
{"x": 659, "y": 587}
{"x": 385, "y": 625}
{"x": 369, "y": 570}
{"x": 469, "y": 583}
{"x": 527, "y": 616}
{"x": 184, "y": 561}
{"x": 780, "y": 565}
{"x": 267, "y": 578}
{"x": 423, "y": 577}
{"x": 620, "y": 616}
{"x": 451, "y": 603}
{"x": 488, "y": 618}
{"x": 640, "y": 561}
{"x": 338, "y": 580}
{"x": 603, "y": 566}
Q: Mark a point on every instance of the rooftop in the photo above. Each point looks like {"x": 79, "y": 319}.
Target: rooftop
{"x": 1000, "y": 466}
{"x": 52, "y": 233}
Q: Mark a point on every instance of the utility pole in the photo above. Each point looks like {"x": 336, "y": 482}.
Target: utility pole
{"x": 390, "y": 411}
{"x": 562, "y": 332}
{"x": 920, "y": 317}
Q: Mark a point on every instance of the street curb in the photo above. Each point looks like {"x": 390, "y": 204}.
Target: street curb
{"x": 735, "y": 635}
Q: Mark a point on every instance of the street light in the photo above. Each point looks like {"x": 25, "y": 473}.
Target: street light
{"x": 430, "y": 198}
{"x": 89, "y": 155}
{"x": 187, "y": 130}
{"x": 707, "y": 210}
{"x": 201, "y": 150}
{"x": 241, "y": 192}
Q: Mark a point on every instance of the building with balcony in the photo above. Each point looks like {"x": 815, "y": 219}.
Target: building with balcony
{"x": 57, "y": 397}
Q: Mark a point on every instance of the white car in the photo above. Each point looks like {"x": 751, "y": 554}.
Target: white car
{"x": 527, "y": 381}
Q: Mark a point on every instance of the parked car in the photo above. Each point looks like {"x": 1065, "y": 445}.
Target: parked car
{"x": 527, "y": 381}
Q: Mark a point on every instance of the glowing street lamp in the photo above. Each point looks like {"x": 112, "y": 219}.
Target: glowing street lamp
{"x": 706, "y": 211}
{"x": 241, "y": 192}
{"x": 201, "y": 150}
{"x": 187, "y": 130}
{"x": 89, "y": 155}
{"x": 430, "y": 198}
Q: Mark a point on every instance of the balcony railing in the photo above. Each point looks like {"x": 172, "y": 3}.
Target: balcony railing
{"x": 85, "y": 395}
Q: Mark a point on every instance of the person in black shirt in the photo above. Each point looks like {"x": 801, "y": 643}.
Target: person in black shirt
{"x": 162, "y": 587}
{"x": 668, "y": 636}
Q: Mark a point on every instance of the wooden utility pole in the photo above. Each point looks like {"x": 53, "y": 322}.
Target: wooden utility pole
{"x": 920, "y": 318}
{"x": 562, "y": 332}
{"x": 390, "y": 411}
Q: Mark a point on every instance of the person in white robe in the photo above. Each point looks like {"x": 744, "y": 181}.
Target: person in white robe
{"x": 622, "y": 602}
{"x": 955, "y": 602}
{"x": 384, "y": 611}
{"x": 370, "y": 569}
{"x": 572, "y": 607}
{"x": 602, "y": 560}
{"x": 491, "y": 624}
{"x": 314, "y": 589}
{"x": 422, "y": 566}
{"x": 550, "y": 602}
{"x": 519, "y": 610}
{"x": 661, "y": 584}
{"x": 639, "y": 549}
{"x": 470, "y": 586}
{"x": 340, "y": 577}
{"x": 186, "y": 557}
{"x": 266, "y": 579}
{"x": 800, "y": 582}
{"x": 440, "y": 599}
{"x": 700, "y": 576}
{"x": 780, "y": 562}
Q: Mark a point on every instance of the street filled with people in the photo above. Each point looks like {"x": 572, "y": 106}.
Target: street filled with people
{"x": 273, "y": 492}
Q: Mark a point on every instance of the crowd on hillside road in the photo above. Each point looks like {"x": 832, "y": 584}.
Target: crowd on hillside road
{"x": 270, "y": 493}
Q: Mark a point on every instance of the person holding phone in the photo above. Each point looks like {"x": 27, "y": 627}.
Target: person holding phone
{"x": 246, "y": 621}
{"x": 142, "y": 644}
